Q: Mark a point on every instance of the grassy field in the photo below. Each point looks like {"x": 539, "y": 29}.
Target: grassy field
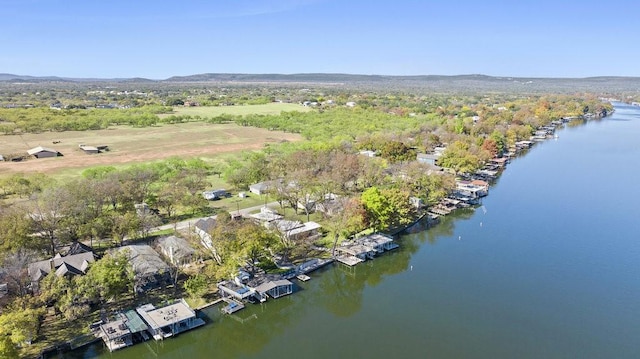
{"x": 128, "y": 145}
{"x": 213, "y": 111}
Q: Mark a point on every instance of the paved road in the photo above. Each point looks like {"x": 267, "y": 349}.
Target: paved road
{"x": 186, "y": 225}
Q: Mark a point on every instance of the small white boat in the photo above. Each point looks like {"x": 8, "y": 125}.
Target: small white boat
{"x": 303, "y": 277}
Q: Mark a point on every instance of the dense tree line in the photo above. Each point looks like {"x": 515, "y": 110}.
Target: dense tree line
{"x": 102, "y": 204}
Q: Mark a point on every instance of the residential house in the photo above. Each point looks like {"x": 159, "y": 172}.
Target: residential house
{"x": 296, "y": 230}
{"x": 150, "y": 271}
{"x": 177, "y": 250}
{"x": 143, "y": 209}
{"x": 77, "y": 248}
{"x": 261, "y": 188}
{"x": 265, "y": 216}
{"x": 428, "y": 158}
{"x": 306, "y": 231}
{"x": 330, "y": 206}
{"x": 70, "y": 265}
{"x": 203, "y": 228}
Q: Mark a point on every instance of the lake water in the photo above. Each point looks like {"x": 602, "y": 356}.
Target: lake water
{"x": 548, "y": 268}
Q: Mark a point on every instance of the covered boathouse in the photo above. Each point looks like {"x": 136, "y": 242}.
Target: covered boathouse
{"x": 363, "y": 248}
{"x": 274, "y": 289}
{"x": 170, "y": 320}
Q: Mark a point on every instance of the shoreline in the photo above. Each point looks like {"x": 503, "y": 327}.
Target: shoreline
{"x": 397, "y": 232}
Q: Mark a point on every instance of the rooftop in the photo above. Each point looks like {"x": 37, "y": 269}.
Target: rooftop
{"x": 40, "y": 149}
{"x": 73, "y": 263}
{"x": 144, "y": 260}
{"x": 205, "y": 224}
{"x": 115, "y": 329}
{"x": 162, "y": 317}
{"x": 178, "y": 247}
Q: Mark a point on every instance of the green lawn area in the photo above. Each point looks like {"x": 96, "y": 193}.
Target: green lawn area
{"x": 234, "y": 202}
{"x": 273, "y": 108}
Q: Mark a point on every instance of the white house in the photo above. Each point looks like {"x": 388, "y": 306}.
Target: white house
{"x": 203, "y": 227}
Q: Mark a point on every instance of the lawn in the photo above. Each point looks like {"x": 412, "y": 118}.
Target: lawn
{"x": 129, "y": 145}
{"x": 273, "y": 108}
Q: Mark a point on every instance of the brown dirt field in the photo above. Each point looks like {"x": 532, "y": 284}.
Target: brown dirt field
{"x": 135, "y": 145}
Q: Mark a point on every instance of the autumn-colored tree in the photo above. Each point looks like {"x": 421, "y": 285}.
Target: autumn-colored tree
{"x": 490, "y": 146}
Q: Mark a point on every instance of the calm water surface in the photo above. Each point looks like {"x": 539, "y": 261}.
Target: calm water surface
{"x": 549, "y": 269}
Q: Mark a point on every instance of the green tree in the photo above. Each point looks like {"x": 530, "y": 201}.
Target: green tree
{"x": 16, "y": 229}
{"x": 125, "y": 225}
{"x": 196, "y": 286}
{"x": 351, "y": 219}
{"x": 254, "y": 243}
{"x": 21, "y": 326}
{"x": 500, "y": 141}
{"x": 8, "y": 349}
{"x": 459, "y": 157}
{"x": 387, "y": 208}
{"x": 395, "y": 151}
{"x": 112, "y": 275}
{"x": 378, "y": 208}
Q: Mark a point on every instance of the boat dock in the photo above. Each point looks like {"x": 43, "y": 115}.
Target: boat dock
{"x": 367, "y": 247}
{"x": 232, "y": 306}
{"x": 148, "y": 322}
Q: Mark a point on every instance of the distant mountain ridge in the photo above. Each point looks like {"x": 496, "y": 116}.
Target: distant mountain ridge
{"x": 308, "y": 77}
{"x": 421, "y": 83}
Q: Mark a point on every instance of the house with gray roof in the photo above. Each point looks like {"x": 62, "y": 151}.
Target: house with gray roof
{"x": 150, "y": 271}
{"x": 70, "y": 265}
{"x": 177, "y": 250}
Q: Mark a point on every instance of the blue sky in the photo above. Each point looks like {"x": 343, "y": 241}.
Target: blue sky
{"x": 158, "y": 39}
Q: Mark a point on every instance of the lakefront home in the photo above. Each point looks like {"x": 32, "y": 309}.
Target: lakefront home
{"x": 150, "y": 271}
{"x": 177, "y": 250}
{"x": 71, "y": 265}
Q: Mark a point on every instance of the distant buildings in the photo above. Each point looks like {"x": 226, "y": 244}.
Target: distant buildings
{"x": 43, "y": 152}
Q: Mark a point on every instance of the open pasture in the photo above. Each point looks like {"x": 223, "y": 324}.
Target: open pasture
{"x": 129, "y": 145}
{"x": 273, "y": 108}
